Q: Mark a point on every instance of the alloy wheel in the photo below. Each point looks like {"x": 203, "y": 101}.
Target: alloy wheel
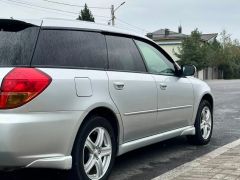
{"x": 97, "y": 153}
{"x": 206, "y": 122}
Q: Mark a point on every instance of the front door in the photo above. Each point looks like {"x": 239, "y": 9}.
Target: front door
{"x": 175, "y": 94}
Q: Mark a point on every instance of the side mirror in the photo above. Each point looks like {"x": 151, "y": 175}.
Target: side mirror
{"x": 188, "y": 70}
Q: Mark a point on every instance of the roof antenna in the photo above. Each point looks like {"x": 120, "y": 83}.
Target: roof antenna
{"x": 180, "y": 28}
{"x": 11, "y": 17}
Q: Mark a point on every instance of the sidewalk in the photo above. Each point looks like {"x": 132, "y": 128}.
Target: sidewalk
{"x": 222, "y": 163}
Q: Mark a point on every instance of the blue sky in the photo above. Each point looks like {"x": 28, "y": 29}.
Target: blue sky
{"x": 142, "y": 16}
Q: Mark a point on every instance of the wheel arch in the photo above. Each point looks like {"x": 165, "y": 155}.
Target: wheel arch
{"x": 110, "y": 115}
{"x": 208, "y": 97}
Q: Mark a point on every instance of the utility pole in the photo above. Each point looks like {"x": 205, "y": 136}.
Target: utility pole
{"x": 113, "y": 10}
{"x": 113, "y": 15}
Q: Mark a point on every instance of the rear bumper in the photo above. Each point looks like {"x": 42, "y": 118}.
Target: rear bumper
{"x": 41, "y": 139}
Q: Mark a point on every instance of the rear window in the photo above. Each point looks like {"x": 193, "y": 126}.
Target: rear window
{"x": 17, "y": 45}
{"x": 74, "y": 49}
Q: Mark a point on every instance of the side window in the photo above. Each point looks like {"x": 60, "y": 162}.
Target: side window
{"x": 123, "y": 55}
{"x": 156, "y": 62}
{"x": 66, "y": 48}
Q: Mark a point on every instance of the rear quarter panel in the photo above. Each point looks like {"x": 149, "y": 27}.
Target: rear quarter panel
{"x": 61, "y": 97}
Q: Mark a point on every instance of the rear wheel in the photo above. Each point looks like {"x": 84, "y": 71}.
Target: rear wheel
{"x": 94, "y": 150}
{"x": 203, "y": 124}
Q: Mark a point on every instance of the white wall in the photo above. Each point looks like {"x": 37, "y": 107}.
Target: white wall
{"x": 200, "y": 74}
{"x": 170, "y": 48}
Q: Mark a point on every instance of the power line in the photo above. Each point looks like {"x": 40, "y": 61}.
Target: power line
{"x": 12, "y": 3}
{"x": 128, "y": 28}
{"x": 53, "y": 9}
{"x": 42, "y": 7}
{"x": 74, "y": 5}
{"x": 136, "y": 27}
{"x": 26, "y": 4}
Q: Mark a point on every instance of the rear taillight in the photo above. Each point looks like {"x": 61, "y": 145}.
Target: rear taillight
{"x": 21, "y": 85}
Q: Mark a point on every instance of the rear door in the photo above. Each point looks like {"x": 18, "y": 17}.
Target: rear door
{"x": 132, "y": 89}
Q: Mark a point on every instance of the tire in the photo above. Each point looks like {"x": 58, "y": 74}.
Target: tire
{"x": 207, "y": 125}
{"x": 85, "y": 151}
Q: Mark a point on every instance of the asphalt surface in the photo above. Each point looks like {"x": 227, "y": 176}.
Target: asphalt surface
{"x": 151, "y": 161}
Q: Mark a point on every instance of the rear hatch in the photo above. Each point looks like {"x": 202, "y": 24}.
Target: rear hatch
{"x": 17, "y": 43}
{"x": 19, "y": 83}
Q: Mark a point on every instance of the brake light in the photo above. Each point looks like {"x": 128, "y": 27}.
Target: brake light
{"x": 21, "y": 85}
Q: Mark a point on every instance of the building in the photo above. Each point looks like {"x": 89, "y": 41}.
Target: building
{"x": 171, "y": 41}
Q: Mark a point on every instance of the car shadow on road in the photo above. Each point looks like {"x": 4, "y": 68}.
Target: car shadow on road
{"x": 151, "y": 161}
{"x": 153, "y": 155}
{"x": 34, "y": 174}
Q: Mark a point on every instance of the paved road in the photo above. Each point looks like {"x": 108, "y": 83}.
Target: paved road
{"x": 149, "y": 162}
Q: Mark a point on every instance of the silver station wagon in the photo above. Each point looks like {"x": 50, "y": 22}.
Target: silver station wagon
{"x": 74, "y": 95}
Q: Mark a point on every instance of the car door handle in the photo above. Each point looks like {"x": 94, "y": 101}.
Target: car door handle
{"x": 163, "y": 86}
{"x": 118, "y": 85}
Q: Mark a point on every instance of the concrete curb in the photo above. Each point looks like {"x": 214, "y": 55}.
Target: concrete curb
{"x": 195, "y": 163}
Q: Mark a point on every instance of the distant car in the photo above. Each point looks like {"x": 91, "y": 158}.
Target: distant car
{"x": 75, "y": 95}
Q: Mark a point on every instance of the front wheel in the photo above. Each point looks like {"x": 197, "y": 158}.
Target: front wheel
{"x": 203, "y": 124}
{"x": 94, "y": 150}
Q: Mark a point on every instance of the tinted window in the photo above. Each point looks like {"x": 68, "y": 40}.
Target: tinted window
{"x": 65, "y": 48}
{"x": 124, "y": 55}
{"x": 156, "y": 62}
{"x": 17, "y": 45}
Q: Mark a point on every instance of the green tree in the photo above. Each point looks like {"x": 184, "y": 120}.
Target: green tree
{"x": 224, "y": 54}
{"x": 214, "y": 53}
{"x": 229, "y": 56}
{"x": 193, "y": 51}
{"x": 86, "y": 15}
